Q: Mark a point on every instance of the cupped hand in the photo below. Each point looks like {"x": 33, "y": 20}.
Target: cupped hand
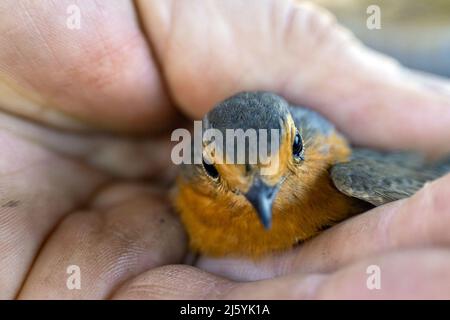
{"x": 72, "y": 100}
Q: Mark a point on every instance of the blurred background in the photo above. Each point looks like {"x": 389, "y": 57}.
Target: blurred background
{"x": 415, "y": 32}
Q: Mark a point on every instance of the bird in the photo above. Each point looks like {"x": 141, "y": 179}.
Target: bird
{"x": 234, "y": 209}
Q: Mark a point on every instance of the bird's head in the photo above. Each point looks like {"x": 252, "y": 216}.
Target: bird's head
{"x": 250, "y": 144}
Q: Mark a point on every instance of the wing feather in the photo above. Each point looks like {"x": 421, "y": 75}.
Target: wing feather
{"x": 379, "y": 178}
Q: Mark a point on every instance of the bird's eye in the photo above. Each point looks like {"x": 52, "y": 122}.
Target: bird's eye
{"x": 210, "y": 169}
{"x": 297, "y": 146}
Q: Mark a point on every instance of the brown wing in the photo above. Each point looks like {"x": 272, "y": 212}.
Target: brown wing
{"x": 379, "y": 178}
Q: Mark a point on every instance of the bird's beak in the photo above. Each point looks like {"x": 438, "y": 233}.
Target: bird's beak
{"x": 261, "y": 196}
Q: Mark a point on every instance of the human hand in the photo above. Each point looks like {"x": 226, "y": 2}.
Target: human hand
{"x": 124, "y": 237}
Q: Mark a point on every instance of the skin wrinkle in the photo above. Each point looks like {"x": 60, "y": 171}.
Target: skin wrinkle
{"x": 43, "y": 108}
{"x": 428, "y": 204}
{"x": 208, "y": 286}
{"x": 292, "y": 15}
{"x": 36, "y": 256}
{"x": 32, "y": 228}
{"x": 158, "y": 60}
{"x": 164, "y": 47}
{"x": 43, "y": 39}
{"x": 116, "y": 195}
{"x": 120, "y": 246}
{"x": 107, "y": 152}
{"x": 384, "y": 227}
{"x": 303, "y": 286}
{"x": 291, "y": 89}
{"x": 45, "y": 238}
{"x": 397, "y": 270}
{"x": 107, "y": 58}
{"x": 318, "y": 280}
{"x": 201, "y": 286}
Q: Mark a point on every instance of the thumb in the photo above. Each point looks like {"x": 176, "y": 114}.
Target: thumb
{"x": 208, "y": 51}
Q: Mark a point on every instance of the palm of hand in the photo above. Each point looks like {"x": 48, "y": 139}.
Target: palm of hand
{"x": 62, "y": 207}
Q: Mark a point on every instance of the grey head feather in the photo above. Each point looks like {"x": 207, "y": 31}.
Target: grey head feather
{"x": 249, "y": 110}
{"x": 260, "y": 110}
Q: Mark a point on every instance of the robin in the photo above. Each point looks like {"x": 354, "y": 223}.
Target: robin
{"x": 233, "y": 209}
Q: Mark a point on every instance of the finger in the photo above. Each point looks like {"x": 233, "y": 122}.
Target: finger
{"x": 186, "y": 282}
{"x": 422, "y": 220}
{"x": 99, "y": 75}
{"x": 128, "y": 230}
{"x": 434, "y": 83}
{"x": 297, "y": 50}
{"x": 420, "y": 274}
{"x": 37, "y": 189}
{"x": 121, "y": 156}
